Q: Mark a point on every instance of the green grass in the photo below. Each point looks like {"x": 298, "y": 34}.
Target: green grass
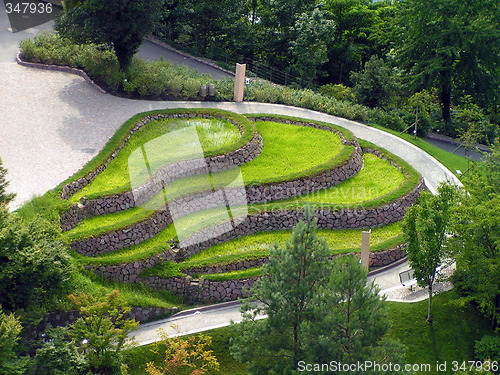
{"x": 448, "y": 159}
{"x": 450, "y": 338}
{"x": 257, "y": 246}
{"x": 135, "y": 294}
{"x": 215, "y": 135}
{"x": 376, "y": 179}
{"x": 278, "y": 158}
{"x": 235, "y": 275}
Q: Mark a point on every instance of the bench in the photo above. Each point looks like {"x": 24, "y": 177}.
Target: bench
{"x": 407, "y": 279}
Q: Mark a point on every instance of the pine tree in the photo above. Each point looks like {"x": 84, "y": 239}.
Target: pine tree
{"x": 4, "y": 197}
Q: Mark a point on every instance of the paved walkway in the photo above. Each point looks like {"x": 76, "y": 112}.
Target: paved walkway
{"x": 52, "y": 123}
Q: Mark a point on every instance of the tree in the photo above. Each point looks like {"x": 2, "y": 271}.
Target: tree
{"x": 34, "y": 262}
{"x": 375, "y": 85}
{"x": 444, "y": 42}
{"x": 349, "y": 318}
{"x": 10, "y": 329}
{"x": 286, "y": 289}
{"x": 316, "y": 310}
{"x": 182, "y": 355}
{"x": 425, "y": 227}
{"x": 101, "y": 332}
{"x": 350, "y": 46}
{"x": 310, "y": 47}
{"x": 476, "y": 236}
{"x": 4, "y": 197}
{"x": 121, "y": 24}
{"x": 59, "y": 356}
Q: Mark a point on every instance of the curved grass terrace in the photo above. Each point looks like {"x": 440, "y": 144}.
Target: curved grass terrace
{"x": 257, "y": 246}
{"x": 376, "y": 181}
{"x": 290, "y": 151}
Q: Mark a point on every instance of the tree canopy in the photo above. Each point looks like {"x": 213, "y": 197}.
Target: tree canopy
{"x": 121, "y": 24}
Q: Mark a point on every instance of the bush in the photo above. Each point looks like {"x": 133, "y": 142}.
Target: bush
{"x": 488, "y": 348}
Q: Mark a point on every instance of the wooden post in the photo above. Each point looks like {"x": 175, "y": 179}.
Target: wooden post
{"x": 365, "y": 249}
{"x": 239, "y": 82}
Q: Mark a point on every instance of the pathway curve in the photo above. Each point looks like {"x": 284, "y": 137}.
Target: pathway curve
{"x": 52, "y": 123}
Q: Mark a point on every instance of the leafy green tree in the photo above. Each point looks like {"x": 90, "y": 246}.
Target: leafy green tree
{"x": 445, "y": 42}
{"x": 34, "y": 262}
{"x": 423, "y": 104}
{"x": 476, "y": 236}
{"x": 101, "y": 331}
{"x": 375, "y": 85}
{"x": 121, "y": 24}
{"x": 10, "y": 329}
{"x": 350, "y": 46}
{"x": 59, "y": 355}
{"x": 425, "y": 228}
{"x": 310, "y": 47}
{"x": 4, "y": 197}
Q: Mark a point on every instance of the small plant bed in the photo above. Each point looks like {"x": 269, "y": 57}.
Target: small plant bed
{"x": 215, "y": 135}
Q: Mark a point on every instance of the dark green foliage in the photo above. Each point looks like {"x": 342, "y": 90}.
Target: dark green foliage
{"x": 101, "y": 332}
{"x": 122, "y": 24}
{"x": 35, "y": 266}
{"x": 425, "y": 228}
{"x": 349, "y": 319}
{"x": 476, "y": 236}
{"x": 10, "y": 329}
{"x": 488, "y": 348}
{"x": 450, "y": 44}
{"x": 59, "y": 356}
{"x": 5, "y": 197}
{"x": 316, "y": 310}
{"x": 375, "y": 85}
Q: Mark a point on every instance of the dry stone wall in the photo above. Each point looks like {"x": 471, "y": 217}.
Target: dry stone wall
{"x": 206, "y": 291}
{"x": 118, "y": 202}
{"x": 328, "y": 218}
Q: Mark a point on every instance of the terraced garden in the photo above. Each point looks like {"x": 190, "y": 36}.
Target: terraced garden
{"x": 241, "y": 184}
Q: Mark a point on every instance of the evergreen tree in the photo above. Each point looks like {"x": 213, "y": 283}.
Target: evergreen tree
{"x": 5, "y": 197}
{"x": 316, "y": 310}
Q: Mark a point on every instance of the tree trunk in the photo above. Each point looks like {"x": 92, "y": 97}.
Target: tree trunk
{"x": 429, "y": 306}
{"x": 446, "y": 98}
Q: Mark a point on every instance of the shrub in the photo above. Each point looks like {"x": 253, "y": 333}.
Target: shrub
{"x": 488, "y": 348}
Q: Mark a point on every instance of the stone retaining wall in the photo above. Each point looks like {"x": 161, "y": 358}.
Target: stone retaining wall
{"x": 328, "y": 218}
{"x": 377, "y": 259}
{"x": 208, "y": 291}
{"x": 151, "y": 226}
{"x": 257, "y": 193}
